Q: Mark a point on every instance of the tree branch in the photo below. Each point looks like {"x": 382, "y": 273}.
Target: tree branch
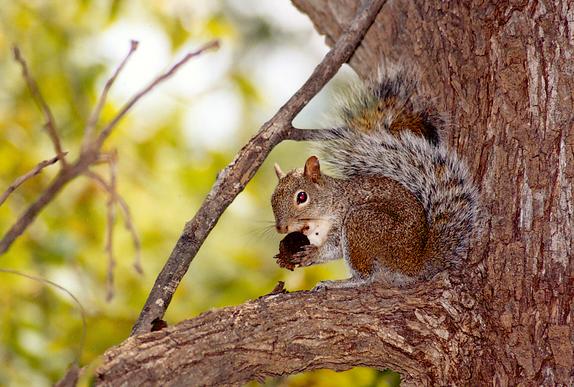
{"x": 128, "y": 222}
{"x": 50, "y": 124}
{"x": 90, "y": 153}
{"x": 415, "y": 331}
{"x": 108, "y": 129}
{"x": 95, "y": 116}
{"x": 295, "y": 134}
{"x": 233, "y": 179}
{"x": 22, "y": 179}
{"x": 111, "y": 219}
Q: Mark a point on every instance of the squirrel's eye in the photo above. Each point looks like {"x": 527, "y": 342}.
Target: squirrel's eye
{"x": 301, "y": 197}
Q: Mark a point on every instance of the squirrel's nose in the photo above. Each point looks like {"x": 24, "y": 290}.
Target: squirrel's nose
{"x": 282, "y": 229}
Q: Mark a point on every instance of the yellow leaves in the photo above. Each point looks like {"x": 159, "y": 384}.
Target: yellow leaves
{"x": 219, "y": 26}
{"x": 162, "y": 173}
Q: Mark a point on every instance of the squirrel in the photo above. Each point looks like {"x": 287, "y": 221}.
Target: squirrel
{"x": 401, "y": 205}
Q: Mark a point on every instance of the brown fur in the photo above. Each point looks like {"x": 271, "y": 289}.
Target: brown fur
{"x": 408, "y": 121}
{"x": 383, "y": 225}
{"x": 389, "y": 231}
{"x": 401, "y": 120}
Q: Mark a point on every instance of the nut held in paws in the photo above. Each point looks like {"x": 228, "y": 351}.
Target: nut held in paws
{"x": 289, "y": 246}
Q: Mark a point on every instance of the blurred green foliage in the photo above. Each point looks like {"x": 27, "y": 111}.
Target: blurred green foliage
{"x": 167, "y": 164}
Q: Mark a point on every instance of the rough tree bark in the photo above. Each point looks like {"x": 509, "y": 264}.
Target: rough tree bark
{"x": 504, "y": 75}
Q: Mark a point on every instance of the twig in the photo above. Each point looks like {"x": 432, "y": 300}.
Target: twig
{"x": 111, "y": 218}
{"x": 32, "y": 211}
{"x": 126, "y": 215}
{"x": 131, "y": 229}
{"x": 37, "y": 96}
{"x": 296, "y": 134}
{"x": 95, "y": 116}
{"x": 87, "y": 157}
{"x": 236, "y": 175}
{"x": 22, "y": 179}
{"x": 81, "y": 308}
{"x": 107, "y": 130}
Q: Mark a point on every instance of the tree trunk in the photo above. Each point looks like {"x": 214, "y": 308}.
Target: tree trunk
{"x": 504, "y": 75}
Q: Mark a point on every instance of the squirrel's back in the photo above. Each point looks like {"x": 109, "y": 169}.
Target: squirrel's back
{"x": 386, "y": 128}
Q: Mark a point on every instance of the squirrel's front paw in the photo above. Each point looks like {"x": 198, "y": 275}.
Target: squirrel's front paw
{"x": 305, "y": 256}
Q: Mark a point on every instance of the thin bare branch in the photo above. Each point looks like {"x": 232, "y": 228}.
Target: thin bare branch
{"x": 50, "y": 124}
{"x": 32, "y": 211}
{"x": 128, "y": 222}
{"x": 95, "y": 116}
{"x": 111, "y": 218}
{"x": 233, "y": 179}
{"x": 76, "y": 301}
{"x": 87, "y": 156}
{"x": 131, "y": 229}
{"x": 295, "y": 134}
{"x": 108, "y": 129}
{"x": 22, "y": 179}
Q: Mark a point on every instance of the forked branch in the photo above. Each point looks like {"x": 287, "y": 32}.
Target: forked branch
{"x": 91, "y": 149}
{"x": 233, "y": 179}
{"x": 27, "y": 176}
{"x": 50, "y": 124}
{"x": 127, "y": 216}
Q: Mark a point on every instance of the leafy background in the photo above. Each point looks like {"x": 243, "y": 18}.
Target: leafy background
{"x": 170, "y": 147}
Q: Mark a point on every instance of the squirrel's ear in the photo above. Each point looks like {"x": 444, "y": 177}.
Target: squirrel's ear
{"x": 313, "y": 169}
{"x": 280, "y": 174}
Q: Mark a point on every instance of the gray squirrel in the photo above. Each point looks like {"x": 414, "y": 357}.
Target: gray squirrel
{"x": 401, "y": 205}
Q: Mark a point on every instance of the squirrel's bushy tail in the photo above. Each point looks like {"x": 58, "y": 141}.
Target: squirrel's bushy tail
{"x": 386, "y": 129}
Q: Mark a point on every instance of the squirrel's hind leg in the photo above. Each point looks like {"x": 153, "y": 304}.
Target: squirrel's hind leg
{"x": 383, "y": 241}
